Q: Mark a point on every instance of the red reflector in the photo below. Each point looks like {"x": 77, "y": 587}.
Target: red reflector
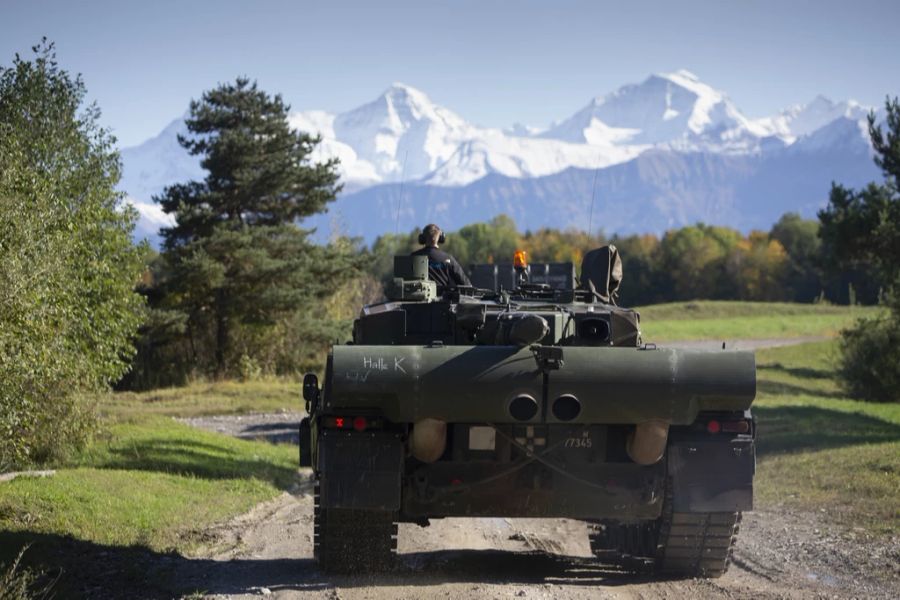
{"x": 736, "y": 427}
{"x": 455, "y": 481}
{"x": 713, "y": 427}
{"x": 339, "y": 422}
{"x": 359, "y": 423}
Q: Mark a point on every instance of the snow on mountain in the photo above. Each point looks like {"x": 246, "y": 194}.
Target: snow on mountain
{"x": 403, "y": 136}
{"x": 844, "y": 134}
{"x": 402, "y": 133}
{"x": 158, "y": 162}
{"x": 151, "y": 218}
{"x": 523, "y": 130}
{"x": 522, "y": 157}
{"x": 356, "y": 172}
{"x": 803, "y": 119}
{"x": 674, "y": 108}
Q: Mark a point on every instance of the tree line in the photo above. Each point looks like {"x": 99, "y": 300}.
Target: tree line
{"x": 239, "y": 289}
{"x": 789, "y": 263}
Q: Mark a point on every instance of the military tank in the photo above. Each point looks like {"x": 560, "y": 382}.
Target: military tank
{"x": 532, "y": 396}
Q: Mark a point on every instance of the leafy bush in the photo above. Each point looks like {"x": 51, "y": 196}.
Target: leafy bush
{"x": 67, "y": 264}
{"x": 869, "y": 365}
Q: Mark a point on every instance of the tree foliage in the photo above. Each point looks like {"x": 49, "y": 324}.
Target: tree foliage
{"x": 236, "y": 270}
{"x": 693, "y": 262}
{"x": 67, "y": 264}
{"x": 863, "y": 226}
{"x": 861, "y": 229}
{"x": 869, "y": 364}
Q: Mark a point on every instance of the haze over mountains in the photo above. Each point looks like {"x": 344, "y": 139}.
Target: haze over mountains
{"x": 663, "y": 153}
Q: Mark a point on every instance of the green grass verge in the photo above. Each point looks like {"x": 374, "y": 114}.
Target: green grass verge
{"x": 820, "y": 450}
{"x": 726, "y": 320}
{"x": 151, "y": 482}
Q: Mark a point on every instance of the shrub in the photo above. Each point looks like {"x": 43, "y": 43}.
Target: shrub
{"x": 869, "y": 364}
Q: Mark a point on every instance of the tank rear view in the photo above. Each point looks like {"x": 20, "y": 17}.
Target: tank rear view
{"x": 539, "y": 401}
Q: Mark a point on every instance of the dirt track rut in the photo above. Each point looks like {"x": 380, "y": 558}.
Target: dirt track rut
{"x": 269, "y": 553}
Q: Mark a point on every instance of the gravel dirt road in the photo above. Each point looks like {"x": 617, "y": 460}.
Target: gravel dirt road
{"x": 268, "y": 552}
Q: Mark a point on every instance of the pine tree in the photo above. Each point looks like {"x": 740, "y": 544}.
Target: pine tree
{"x": 236, "y": 255}
{"x": 863, "y": 226}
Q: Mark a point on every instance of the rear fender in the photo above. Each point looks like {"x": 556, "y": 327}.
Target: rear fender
{"x": 712, "y": 474}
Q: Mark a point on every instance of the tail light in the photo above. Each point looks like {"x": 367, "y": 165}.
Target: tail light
{"x": 715, "y": 426}
{"x": 355, "y": 422}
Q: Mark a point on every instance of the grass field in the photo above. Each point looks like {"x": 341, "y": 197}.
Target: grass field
{"x": 819, "y": 450}
{"x": 726, "y": 320}
{"x": 151, "y": 481}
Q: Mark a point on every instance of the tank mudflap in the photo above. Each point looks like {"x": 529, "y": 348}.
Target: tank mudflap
{"x": 353, "y": 540}
{"x": 360, "y": 470}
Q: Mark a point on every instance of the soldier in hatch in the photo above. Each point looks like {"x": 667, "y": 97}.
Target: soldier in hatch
{"x": 442, "y": 267}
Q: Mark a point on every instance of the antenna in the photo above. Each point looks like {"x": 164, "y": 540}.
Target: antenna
{"x": 593, "y": 193}
{"x": 400, "y": 198}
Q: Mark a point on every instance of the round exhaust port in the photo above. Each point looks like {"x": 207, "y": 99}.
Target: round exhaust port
{"x": 566, "y": 407}
{"x": 523, "y": 407}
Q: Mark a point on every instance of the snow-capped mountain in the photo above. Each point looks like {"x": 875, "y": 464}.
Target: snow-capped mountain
{"x": 403, "y": 135}
{"x": 804, "y": 119}
{"x": 667, "y": 130}
{"x": 674, "y": 108}
{"x": 158, "y": 162}
{"x": 148, "y": 168}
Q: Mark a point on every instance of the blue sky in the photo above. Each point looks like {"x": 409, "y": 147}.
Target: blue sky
{"x": 495, "y": 63}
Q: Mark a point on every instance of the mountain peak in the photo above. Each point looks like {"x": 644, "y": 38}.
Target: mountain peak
{"x": 402, "y": 92}
{"x": 662, "y": 109}
{"x": 685, "y": 74}
{"x": 821, "y": 101}
{"x": 689, "y": 81}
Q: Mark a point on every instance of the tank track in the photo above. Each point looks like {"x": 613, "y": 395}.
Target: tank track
{"x": 675, "y": 545}
{"x": 353, "y": 541}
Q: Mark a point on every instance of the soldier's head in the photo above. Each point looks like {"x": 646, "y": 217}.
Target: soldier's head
{"x": 431, "y": 236}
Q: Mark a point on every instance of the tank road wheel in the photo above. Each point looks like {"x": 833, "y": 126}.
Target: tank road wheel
{"x": 353, "y": 541}
{"x": 695, "y": 544}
